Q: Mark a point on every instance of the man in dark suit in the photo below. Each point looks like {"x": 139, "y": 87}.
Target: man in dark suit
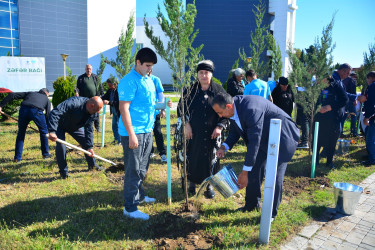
{"x": 251, "y": 117}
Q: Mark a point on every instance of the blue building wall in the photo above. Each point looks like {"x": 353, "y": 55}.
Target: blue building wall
{"x": 49, "y": 28}
{"x": 224, "y": 27}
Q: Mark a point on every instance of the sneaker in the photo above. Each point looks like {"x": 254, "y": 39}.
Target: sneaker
{"x": 136, "y": 215}
{"x": 47, "y": 156}
{"x": 163, "y": 158}
{"x": 148, "y": 200}
{"x": 303, "y": 145}
{"x": 152, "y": 155}
{"x": 16, "y": 160}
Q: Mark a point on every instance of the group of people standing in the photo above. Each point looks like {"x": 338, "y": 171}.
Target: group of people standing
{"x": 209, "y": 109}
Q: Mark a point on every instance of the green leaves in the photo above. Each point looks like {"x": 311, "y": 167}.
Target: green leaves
{"x": 178, "y": 27}
{"x": 124, "y": 60}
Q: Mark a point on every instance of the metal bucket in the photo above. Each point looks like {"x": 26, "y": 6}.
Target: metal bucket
{"x": 346, "y": 197}
{"x": 225, "y": 181}
{"x": 342, "y": 146}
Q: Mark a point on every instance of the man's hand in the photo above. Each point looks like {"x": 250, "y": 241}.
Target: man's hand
{"x": 216, "y": 132}
{"x": 243, "y": 179}
{"x": 52, "y": 136}
{"x": 92, "y": 152}
{"x": 221, "y": 152}
{"x": 162, "y": 113}
{"x": 366, "y": 121}
{"x": 133, "y": 142}
{"x": 169, "y": 103}
{"x": 325, "y": 109}
{"x": 188, "y": 131}
{"x": 106, "y": 102}
{"x": 1, "y": 109}
{"x": 361, "y": 98}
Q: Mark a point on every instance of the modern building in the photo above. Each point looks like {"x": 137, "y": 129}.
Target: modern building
{"x": 46, "y": 28}
{"x": 84, "y": 29}
{"x": 225, "y": 27}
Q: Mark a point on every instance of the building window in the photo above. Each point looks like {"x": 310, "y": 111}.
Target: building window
{"x": 139, "y": 45}
{"x": 9, "y": 35}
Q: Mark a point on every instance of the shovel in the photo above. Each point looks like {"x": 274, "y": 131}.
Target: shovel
{"x": 114, "y": 168}
{"x": 1, "y": 112}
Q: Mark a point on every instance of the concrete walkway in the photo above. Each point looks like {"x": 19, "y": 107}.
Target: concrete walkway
{"x": 337, "y": 231}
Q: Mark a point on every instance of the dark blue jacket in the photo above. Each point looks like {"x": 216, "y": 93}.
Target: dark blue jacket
{"x": 351, "y": 96}
{"x": 335, "y": 96}
{"x": 71, "y": 115}
{"x": 369, "y": 105}
{"x": 350, "y": 85}
{"x": 255, "y": 114}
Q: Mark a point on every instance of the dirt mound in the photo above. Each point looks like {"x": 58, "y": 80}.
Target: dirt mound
{"x": 182, "y": 229}
{"x": 294, "y": 186}
{"x": 115, "y": 168}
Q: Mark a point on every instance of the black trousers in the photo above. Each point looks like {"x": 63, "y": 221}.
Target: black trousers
{"x": 158, "y": 137}
{"x": 329, "y": 132}
{"x": 256, "y": 176}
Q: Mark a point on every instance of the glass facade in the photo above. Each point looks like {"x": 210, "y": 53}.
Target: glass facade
{"x": 9, "y": 35}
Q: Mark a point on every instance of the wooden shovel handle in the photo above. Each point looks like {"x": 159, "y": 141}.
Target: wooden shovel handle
{"x": 11, "y": 117}
{"x": 83, "y": 150}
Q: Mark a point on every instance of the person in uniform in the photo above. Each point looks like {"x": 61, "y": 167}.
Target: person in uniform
{"x": 332, "y": 100}
{"x": 203, "y": 127}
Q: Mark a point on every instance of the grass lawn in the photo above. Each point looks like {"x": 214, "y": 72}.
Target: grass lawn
{"x": 40, "y": 210}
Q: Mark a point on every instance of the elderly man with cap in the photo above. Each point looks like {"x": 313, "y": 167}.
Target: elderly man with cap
{"x": 236, "y": 85}
{"x": 283, "y": 96}
{"x": 74, "y": 116}
{"x": 32, "y": 108}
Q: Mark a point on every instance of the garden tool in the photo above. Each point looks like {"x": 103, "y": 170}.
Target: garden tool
{"x": 114, "y": 168}
{"x": 17, "y": 120}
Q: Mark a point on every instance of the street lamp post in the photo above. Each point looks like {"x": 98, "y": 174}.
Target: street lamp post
{"x": 64, "y": 56}
{"x": 248, "y": 60}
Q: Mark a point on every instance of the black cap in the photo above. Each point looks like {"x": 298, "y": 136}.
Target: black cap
{"x": 283, "y": 81}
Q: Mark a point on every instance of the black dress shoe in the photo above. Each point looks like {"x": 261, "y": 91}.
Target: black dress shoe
{"x": 367, "y": 163}
{"x": 248, "y": 209}
{"x": 209, "y": 194}
{"x": 47, "y": 156}
{"x": 330, "y": 165}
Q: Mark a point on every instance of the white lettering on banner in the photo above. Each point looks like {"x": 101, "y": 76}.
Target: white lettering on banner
{"x": 22, "y": 74}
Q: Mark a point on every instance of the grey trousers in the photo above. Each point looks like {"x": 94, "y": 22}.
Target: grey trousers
{"x": 136, "y": 163}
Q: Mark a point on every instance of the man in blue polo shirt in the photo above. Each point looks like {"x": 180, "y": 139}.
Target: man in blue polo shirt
{"x": 256, "y": 86}
{"x": 137, "y": 98}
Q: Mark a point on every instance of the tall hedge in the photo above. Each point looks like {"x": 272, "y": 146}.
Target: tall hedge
{"x": 64, "y": 88}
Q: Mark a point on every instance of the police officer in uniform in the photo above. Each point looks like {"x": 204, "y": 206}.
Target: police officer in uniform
{"x": 332, "y": 100}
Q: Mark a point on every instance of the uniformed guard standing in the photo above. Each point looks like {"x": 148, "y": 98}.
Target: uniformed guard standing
{"x": 333, "y": 100}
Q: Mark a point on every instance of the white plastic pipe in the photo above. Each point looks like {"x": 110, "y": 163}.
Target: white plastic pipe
{"x": 269, "y": 183}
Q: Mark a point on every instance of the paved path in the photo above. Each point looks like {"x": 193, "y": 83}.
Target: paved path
{"x": 336, "y": 231}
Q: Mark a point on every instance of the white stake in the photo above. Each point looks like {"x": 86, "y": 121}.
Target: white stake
{"x": 269, "y": 183}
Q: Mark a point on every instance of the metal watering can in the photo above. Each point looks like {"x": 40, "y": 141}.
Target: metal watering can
{"x": 224, "y": 181}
